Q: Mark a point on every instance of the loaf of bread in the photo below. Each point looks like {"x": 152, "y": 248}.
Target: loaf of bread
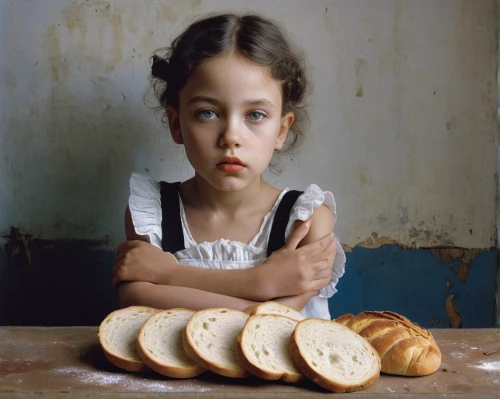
{"x": 118, "y": 336}
{"x": 159, "y": 344}
{"x": 333, "y": 356}
{"x": 263, "y": 346}
{"x": 404, "y": 347}
{"x": 271, "y": 307}
{"x": 210, "y": 340}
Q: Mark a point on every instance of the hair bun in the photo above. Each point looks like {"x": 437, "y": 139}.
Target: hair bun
{"x": 160, "y": 68}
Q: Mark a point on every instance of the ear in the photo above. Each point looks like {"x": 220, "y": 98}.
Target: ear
{"x": 174, "y": 124}
{"x": 286, "y": 123}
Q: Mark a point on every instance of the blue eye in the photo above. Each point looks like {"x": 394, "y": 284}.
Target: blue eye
{"x": 206, "y": 114}
{"x": 256, "y": 116}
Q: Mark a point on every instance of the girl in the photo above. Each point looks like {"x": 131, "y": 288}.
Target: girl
{"x": 233, "y": 91}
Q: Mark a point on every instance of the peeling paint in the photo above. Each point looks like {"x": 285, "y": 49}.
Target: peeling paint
{"x": 463, "y": 270}
{"x": 448, "y": 254}
{"x": 374, "y": 241}
{"x": 346, "y": 248}
{"x": 466, "y": 256}
{"x": 443, "y": 238}
{"x": 452, "y": 312}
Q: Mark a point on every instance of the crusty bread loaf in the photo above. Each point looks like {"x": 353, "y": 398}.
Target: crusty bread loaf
{"x": 404, "y": 347}
{"x": 333, "y": 356}
{"x": 210, "y": 340}
{"x": 263, "y": 345}
{"x": 118, "y": 336}
{"x": 271, "y": 307}
{"x": 159, "y": 344}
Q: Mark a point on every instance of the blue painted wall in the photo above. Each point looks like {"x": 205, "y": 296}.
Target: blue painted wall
{"x": 416, "y": 284}
{"x": 54, "y": 283}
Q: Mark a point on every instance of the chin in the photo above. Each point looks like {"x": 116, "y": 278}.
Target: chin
{"x": 230, "y": 186}
{"x": 229, "y": 183}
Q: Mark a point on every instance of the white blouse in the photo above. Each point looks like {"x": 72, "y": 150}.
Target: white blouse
{"x": 145, "y": 208}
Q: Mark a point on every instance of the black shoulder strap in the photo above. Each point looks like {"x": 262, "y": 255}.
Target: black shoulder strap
{"x": 171, "y": 225}
{"x": 277, "y": 235}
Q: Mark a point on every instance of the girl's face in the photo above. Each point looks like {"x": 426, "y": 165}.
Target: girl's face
{"x": 230, "y": 121}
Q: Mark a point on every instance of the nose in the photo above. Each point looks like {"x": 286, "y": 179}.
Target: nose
{"x": 231, "y": 133}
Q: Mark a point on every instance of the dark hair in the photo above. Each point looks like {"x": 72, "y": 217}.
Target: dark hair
{"x": 258, "y": 39}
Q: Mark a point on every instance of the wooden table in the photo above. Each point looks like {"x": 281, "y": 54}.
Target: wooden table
{"x": 68, "y": 363}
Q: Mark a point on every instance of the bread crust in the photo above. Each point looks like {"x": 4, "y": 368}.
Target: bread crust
{"x": 191, "y": 351}
{"x": 317, "y": 378}
{"x": 135, "y": 366}
{"x": 257, "y": 371}
{"x": 259, "y": 309}
{"x": 420, "y": 357}
{"x": 404, "y": 347}
{"x": 163, "y": 368}
{"x": 117, "y": 360}
{"x": 344, "y": 318}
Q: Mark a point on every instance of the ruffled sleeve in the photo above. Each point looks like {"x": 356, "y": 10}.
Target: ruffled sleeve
{"x": 312, "y": 198}
{"x": 145, "y": 207}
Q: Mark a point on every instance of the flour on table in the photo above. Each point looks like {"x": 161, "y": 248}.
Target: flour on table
{"x": 128, "y": 382}
{"x": 489, "y": 366}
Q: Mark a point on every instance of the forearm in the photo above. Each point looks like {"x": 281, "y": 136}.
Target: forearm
{"x": 238, "y": 283}
{"x": 168, "y": 297}
{"x": 297, "y": 301}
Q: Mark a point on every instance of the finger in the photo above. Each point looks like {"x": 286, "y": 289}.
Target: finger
{"x": 318, "y": 246}
{"x": 123, "y": 248}
{"x": 126, "y": 246}
{"x": 327, "y": 255}
{"x": 330, "y": 251}
{"x": 323, "y": 273}
{"x": 319, "y": 284}
{"x": 299, "y": 231}
{"x": 120, "y": 276}
{"x": 320, "y": 267}
{"x": 118, "y": 262}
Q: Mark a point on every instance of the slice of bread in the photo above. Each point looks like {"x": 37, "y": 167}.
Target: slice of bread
{"x": 210, "y": 340}
{"x": 159, "y": 344}
{"x": 333, "y": 356}
{"x": 264, "y": 348}
{"x": 118, "y": 336}
{"x": 272, "y": 307}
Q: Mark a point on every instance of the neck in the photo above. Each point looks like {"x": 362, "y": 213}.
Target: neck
{"x": 204, "y": 195}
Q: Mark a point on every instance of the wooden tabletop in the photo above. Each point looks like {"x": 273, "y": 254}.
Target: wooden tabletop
{"x": 51, "y": 362}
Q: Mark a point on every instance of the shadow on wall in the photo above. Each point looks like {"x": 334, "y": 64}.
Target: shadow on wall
{"x": 67, "y": 179}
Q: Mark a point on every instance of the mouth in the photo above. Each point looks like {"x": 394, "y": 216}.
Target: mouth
{"x": 228, "y": 160}
{"x": 229, "y": 164}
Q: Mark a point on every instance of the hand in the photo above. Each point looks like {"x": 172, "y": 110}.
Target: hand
{"x": 141, "y": 261}
{"x": 295, "y": 271}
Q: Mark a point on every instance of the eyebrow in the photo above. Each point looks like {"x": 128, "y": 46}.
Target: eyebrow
{"x": 258, "y": 101}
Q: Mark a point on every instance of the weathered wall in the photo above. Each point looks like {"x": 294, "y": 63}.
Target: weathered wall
{"x": 403, "y": 131}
